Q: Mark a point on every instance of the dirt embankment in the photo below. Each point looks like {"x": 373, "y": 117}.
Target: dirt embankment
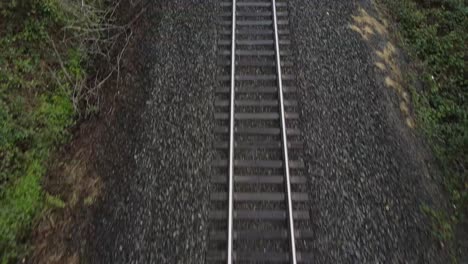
{"x": 63, "y": 232}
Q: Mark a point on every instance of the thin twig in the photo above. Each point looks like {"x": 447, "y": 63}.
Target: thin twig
{"x": 59, "y": 59}
{"x": 99, "y": 35}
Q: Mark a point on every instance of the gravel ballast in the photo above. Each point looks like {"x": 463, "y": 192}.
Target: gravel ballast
{"x": 367, "y": 180}
{"x": 155, "y": 162}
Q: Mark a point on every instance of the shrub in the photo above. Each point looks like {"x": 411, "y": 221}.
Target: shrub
{"x": 435, "y": 33}
{"x": 35, "y": 111}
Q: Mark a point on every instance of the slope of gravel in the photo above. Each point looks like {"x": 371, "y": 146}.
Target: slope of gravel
{"x": 367, "y": 181}
{"x": 155, "y": 160}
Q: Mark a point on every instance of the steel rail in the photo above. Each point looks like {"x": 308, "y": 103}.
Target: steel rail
{"x": 231, "y": 134}
{"x": 284, "y": 137}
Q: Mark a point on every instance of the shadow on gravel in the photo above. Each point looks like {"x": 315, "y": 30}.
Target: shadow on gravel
{"x": 154, "y": 160}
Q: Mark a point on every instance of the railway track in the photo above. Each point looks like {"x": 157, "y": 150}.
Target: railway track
{"x": 259, "y": 198}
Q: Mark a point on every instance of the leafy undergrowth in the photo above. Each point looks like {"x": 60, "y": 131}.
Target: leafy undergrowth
{"x": 42, "y": 87}
{"x": 435, "y": 34}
